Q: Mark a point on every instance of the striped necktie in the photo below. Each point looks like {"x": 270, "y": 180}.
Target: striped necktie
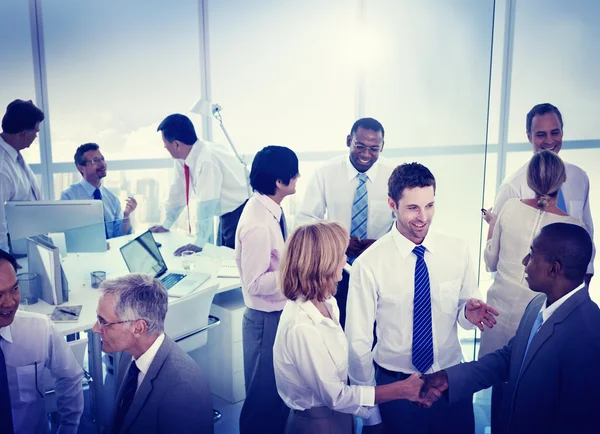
{"x": 422, "y": 347}
{"x": 6, "y": 421}
{"x": 360, "y": 208}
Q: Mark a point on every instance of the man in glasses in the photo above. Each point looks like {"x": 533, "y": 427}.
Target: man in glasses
{"x": 352, "y": 189}
{"x": 92, "y": 166}
{"x": 161, "y": 390}
{"x": 20, "y": 126}
{"x": 29, "y": 344}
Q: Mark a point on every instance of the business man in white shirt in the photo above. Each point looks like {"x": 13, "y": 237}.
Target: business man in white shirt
{"x": 416, "y": 286}
{"x": 29, "y": 343}
{"x": 211, "y": 173}
{"x": 352, "y": 190}
{"x": 20, "y": 126}
{"x": 544, "y": 126}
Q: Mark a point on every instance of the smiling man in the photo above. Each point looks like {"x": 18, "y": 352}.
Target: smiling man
{"x": 544, "y": 128}
{"x": 20, "y": 126}
{"x": 162, "y": 390}
{"x": 417, "y": 286}
{"x": 352, "y": 190}
{"x": 92, "y": 166}
{"x": 29, "y": 344}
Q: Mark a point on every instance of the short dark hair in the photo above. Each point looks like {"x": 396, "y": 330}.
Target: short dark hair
{"x": 270, "y": 164}
{"x": 5, "y": 256}
{"x": 21, "y": 116}
{"x": 178, "y": 127}
{"x": 409, "y": 175}
{"x": 368, "y": 124}
{"x": 539, "y": 110}
{"x": 79, "y": 158}
{"x": 570, "y": 245}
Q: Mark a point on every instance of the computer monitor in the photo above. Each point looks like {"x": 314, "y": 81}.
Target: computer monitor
{"x": 82, "y": 222}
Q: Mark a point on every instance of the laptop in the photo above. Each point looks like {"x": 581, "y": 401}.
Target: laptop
{"x": 143, "y": 256}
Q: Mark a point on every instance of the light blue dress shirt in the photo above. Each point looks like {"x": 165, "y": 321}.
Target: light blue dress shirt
{"x": 113, "y": 214}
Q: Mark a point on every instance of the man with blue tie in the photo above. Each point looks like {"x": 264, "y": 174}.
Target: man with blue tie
{"x": 416, "y": 286}
{"x": 551, "y": 364}
{"x": 544, "y": 127}
{"x": 352, "y": 190}
{"x": 92, "y": 166}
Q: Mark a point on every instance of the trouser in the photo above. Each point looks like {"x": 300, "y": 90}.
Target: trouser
{"x": 405, "y": 417}
{"x": 319, "y": 420}
{"x": 263, "y": 410}
{"x": 228, "y": 225}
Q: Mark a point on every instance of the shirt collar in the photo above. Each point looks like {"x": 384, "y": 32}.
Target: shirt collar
{"x": 548, "y": 311}
{"x": 197, "y": 149}
{"x": 89, "y": 188}
{"x": 406, "y": 246}
{"x": 145, "y": 360}
{"x": 5, "y": 332}
{"x": 269, "y": 204}
{"x": 353, "y": 173}
{"x": 312, "y": 311}
{"x": 12, "y": 152}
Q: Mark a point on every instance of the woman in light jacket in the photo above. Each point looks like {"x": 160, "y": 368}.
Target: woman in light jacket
{"x": 310, "y": 355}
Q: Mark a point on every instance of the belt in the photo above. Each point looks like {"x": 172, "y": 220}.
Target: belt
{"x": 396, "y": 375}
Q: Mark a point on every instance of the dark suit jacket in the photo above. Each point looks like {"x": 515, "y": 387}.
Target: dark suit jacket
{"x": 173, "y": 397}
{"x": 559, "y": 387}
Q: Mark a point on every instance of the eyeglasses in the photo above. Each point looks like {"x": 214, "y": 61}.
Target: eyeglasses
{"x": 102, "y": 323}
{"x": 95, "y": 160}
{"x": 361, "y": 148}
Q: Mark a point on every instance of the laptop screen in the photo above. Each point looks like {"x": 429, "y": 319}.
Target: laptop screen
{"x": 142, "y": 255}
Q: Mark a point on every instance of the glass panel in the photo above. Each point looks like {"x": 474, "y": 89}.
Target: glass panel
{"x": 115, "y": 70}
{"x": 16, "y": 67}
{"x": 284, "y": 72}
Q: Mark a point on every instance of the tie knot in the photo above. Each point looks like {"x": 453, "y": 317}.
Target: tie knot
{"x": 133, "y": 369}
{"x": 362, "y": 177}
{"x": 419, "y": 251}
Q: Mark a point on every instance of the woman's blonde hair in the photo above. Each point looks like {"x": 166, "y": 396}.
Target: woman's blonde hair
{"x": 545, "y": 175}
{"x": 310, "y": 261}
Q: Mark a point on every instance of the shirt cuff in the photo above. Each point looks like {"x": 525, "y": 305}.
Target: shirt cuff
{"x": 462, "y": 319}
{"x": 367, "y": 396}
{"x": 375, "y": 418}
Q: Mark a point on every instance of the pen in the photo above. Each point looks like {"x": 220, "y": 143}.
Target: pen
{"x": 60, "y": 309}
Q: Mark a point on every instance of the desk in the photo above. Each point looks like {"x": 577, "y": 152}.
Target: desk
{"x": 77, "y": 267}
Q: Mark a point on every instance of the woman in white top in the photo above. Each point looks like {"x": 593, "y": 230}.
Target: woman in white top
{"x": 509, "y": 239}
{"x": 310, "y": 355}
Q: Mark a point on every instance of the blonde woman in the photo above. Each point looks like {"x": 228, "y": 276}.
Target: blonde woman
{"x": 311, "y": 352}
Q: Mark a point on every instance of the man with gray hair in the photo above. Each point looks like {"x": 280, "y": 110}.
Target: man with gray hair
{"x": 161, "y": 390}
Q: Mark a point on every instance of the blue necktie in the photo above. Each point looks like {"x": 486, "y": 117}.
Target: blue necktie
{"x": 536, "y": 326}
{"x": 98, "y": 196}
{"x": 6, "y": 421}
{"x": 360, "y": 209}
{"x": 560, "y": 202}
{"x": 422, "y": 347}
{"x": 129, "y": 389}
{"x": 283, "y": 225}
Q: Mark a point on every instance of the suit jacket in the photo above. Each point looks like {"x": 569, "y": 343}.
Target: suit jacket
{"x": 173, "y": 397}
{"x": 558, "y": 389}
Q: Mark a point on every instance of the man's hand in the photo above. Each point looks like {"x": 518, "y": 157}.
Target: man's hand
{"x": 479, "y": 313}
{"x": 433, "y": 386}
{"x": 130, "y": 206}
{"x": 158, "y": 229}
{"x": 355, "y": 247}
{"x": 373, "y": 429}
{"x": 191, "y": 247}
{"x": 489, "y": 216}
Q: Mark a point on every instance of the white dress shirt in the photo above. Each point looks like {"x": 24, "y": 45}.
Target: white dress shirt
{"x": 330, "y": 194}
{"x": 548, "y": 311}
{"x": 310, "y": 357}
{"x": 576, "y": 190}
{"x": 16, "y": 183}
{"x": 218, "y": 182}
{"x": 145, "y": 360}
{"x": 258, "y": 250}
{"x": 382, "y": 290}
{"x": 30, "y": 344}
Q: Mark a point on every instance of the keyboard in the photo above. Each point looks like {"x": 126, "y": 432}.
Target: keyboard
{"x": 171, "y": 279}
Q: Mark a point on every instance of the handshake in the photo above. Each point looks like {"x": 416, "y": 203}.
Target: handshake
{"x": 424, "y": 390}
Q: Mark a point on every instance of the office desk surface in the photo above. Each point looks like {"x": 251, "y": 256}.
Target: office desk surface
{"x": 78, "y": 266}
